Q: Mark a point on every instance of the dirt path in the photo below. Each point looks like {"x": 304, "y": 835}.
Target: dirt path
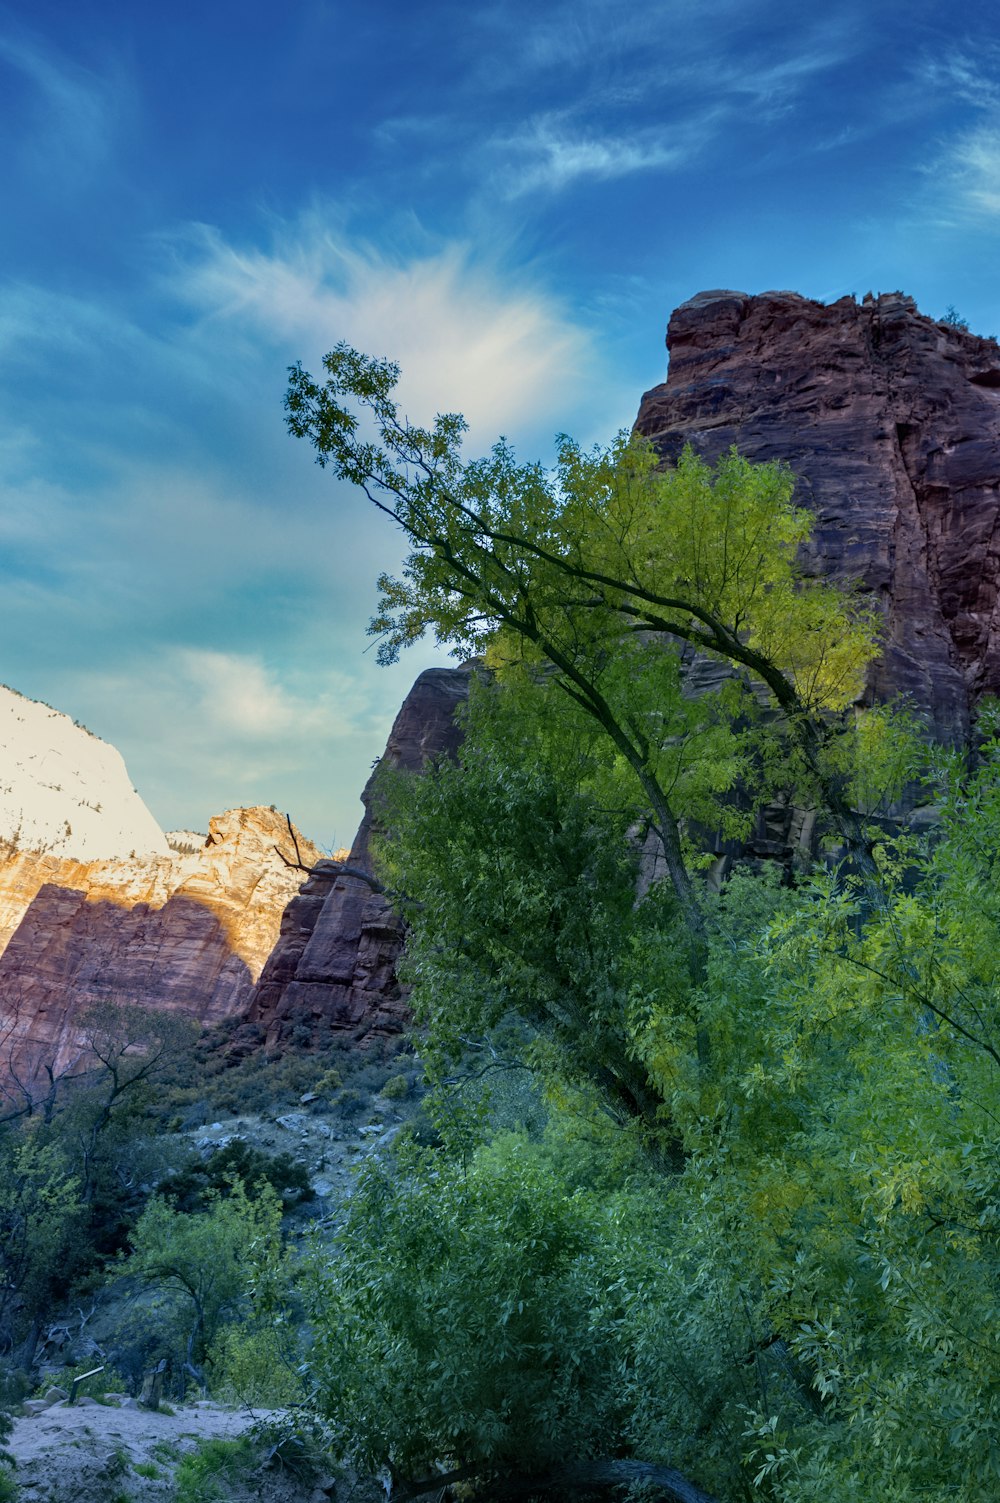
{"x": 89, "y": 1453}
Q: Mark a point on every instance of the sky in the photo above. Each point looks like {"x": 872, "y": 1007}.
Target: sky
{"x": 508, "y": 199}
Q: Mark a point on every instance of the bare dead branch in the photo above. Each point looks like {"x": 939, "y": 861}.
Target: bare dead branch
{"x": 341, "y": 868}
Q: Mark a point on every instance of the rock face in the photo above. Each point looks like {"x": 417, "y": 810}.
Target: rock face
{"x": 64, "y": 790}
{"x": 333, "y": 968}
{"x": 891, "y": 422}
{"x": 182, "y": 932}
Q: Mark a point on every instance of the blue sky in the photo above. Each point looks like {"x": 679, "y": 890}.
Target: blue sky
{"x": 508, "y": 199}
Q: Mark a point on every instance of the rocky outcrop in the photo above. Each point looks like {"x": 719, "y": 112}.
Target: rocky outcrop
{"x": 65, "y": 791}
{"x": 183, "y": 932}
{"x": 891, "y": 422}
{"x": 334, "y": 966}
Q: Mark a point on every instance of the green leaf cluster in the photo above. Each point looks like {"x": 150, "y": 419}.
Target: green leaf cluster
{"x": 758, "y": 1237}
{"x": 466, "y": 1315}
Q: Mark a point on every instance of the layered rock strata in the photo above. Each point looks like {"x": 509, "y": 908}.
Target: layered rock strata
{"x": 333, "y": 969}
{"x": 189, "y": 933}
{"x": 891, "y": 424}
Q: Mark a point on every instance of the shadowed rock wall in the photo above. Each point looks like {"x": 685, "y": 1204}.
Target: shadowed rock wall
{"x": 334, "y": 966}
{"x": 185, "y": 933}
{"x": 891, "y": 422}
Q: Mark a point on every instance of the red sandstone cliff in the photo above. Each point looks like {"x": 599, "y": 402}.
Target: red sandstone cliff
{"x": 891, "y": 422}
{"x": 334, "y": 966}
{"x": 189, "y": 933}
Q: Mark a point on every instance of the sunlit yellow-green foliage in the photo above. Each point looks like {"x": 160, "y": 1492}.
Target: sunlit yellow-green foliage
{"x": 573, "y": 557}
{"x": 611, "y": 540}
{"x": 721, "y": 542}
{"x": 803, "y": 1283}
{"x": 792, "y": 1290}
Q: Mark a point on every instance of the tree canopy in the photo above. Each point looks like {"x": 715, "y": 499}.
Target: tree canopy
{"x": 761, "y": 1209}
{"x": 592, "y": 568}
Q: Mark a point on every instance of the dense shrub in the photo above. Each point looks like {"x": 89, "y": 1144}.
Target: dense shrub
{"x": 194, "y": 1187}
{"x": 469, "y": 1313}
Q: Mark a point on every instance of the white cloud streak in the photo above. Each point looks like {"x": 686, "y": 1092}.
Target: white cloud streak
{"x": 76, "y": 110}
{"x": 556, "y": 158}
{"x": 964, "y": 177}
{"x": 467, "y": 338}
{"x": 973, "y": 170}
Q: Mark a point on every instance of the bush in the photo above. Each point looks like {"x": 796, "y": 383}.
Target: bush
{"x": 467, "y": 1315}
{"x": 209, "y": 1474}
{"x": 251, "y": 1365}
{"x": 199, "y": 1182}
{"x": 396, "y": 1088}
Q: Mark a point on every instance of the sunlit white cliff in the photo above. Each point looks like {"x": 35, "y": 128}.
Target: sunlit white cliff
{"x": 64, "y": 791}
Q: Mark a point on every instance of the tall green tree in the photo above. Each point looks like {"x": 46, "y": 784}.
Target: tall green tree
{"x": 207, "y": 1262}
{"x": 591, "y": 569}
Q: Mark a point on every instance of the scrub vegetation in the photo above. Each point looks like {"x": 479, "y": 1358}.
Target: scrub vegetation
{"x": 703, "y": 1200}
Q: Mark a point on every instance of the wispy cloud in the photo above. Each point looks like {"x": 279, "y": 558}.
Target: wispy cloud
{"x": 553, "y": 157}
{"x": 75, "y": 110}
{"x": 961, "y": 76}
{"x": 499, "y": 348}
{"x": 654, "y": 93}
{"x": 962, "y": 177}
{"x": 244, "y": 700}
{"x": 970, "y": 171}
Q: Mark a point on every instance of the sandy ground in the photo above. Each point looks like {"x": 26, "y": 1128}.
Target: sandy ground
{"x": 89, "y": 1454}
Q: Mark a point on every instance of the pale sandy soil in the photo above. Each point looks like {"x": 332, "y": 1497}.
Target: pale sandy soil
{"x": 88, "y": 1453}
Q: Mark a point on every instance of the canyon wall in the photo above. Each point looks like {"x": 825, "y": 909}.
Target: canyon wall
{"x": 189, "y": 933}
{"x": 333, "y": 969}
{"x": 891, "y": 424}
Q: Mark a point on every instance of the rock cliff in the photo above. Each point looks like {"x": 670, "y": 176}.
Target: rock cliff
{"x": 334, "y": 966}
{"x": 891, "y": 422}
{"x": 187, "y": 932}
{"x": 64, "y": 790}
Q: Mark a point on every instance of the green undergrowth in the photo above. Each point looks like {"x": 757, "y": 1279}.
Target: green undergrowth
{"x": 338, "y": 1077}
{"x": 211, "y": 1472}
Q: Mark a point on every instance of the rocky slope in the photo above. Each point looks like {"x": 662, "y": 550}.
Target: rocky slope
{"x": 891, "y": 422}
{"x": 183, "y": 932}
{"x": 66, "y": 791}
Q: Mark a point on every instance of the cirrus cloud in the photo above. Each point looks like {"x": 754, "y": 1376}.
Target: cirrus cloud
{"x": 467, "y": 337}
